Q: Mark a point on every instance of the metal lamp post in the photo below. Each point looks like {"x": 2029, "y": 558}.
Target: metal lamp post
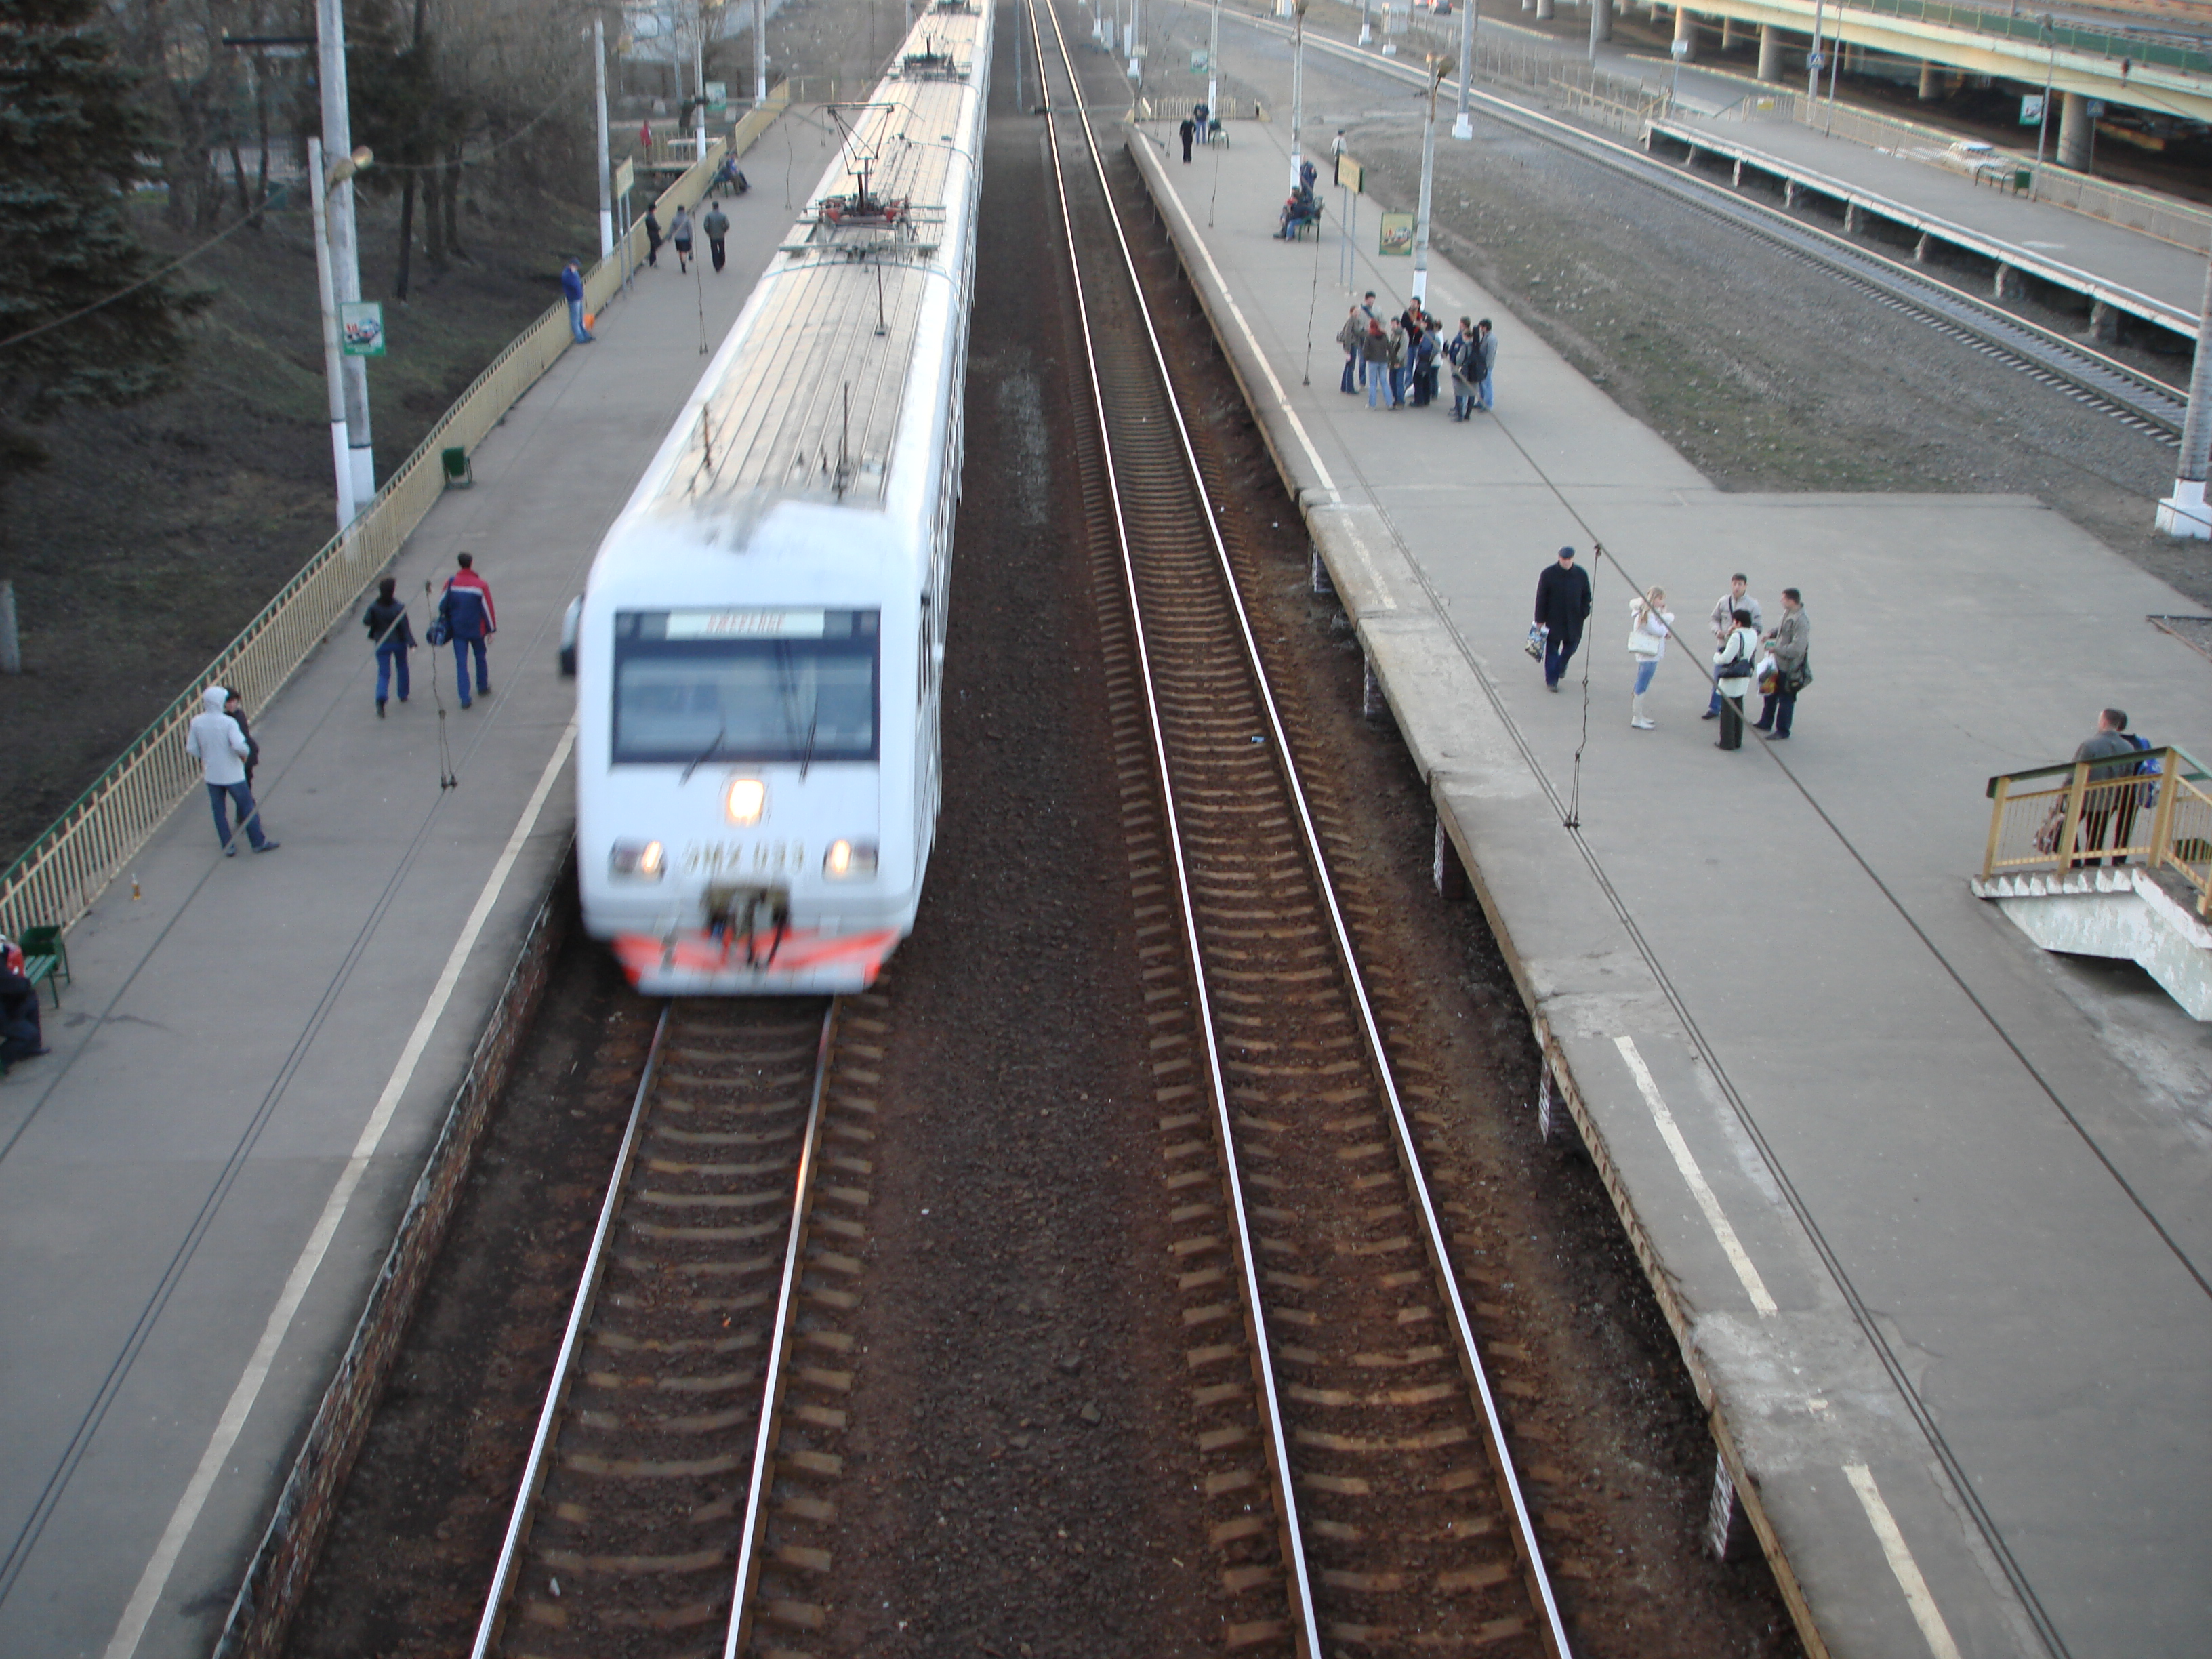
{"x": 321, "y": 182}
{"x": 1297, "y": 88}
{"x": 1678, "y": 50}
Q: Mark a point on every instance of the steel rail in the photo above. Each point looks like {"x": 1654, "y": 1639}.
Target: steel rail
{"x": 579, "y": 1313}
{"x": 1524, "y": 1538}
{"x": 795, "y": 1256}
{"x": 2140, "y": 398}
{"x": 1263, "y": 1364}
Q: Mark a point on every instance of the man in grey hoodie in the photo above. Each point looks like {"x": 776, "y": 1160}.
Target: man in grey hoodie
{"x": 221, "y": 749}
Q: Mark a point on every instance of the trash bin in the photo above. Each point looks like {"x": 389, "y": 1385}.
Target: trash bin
{"x": 455, "y": 461}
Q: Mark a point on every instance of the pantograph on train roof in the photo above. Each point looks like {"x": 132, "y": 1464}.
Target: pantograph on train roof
{"x": 811, "y": 409}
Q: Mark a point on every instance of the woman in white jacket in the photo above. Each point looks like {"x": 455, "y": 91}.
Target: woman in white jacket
{"x": 1649, "y": 622}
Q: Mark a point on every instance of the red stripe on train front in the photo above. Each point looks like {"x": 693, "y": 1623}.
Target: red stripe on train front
{"x": 801, "y": 951}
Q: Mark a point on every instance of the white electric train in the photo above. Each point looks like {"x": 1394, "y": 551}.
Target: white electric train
{"x": 759, "y": 647}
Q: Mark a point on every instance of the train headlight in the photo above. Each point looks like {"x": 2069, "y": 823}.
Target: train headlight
{"x": 643, "y": 860}
{"x": 847, "y": 858}
{"x": 745, "y": 801}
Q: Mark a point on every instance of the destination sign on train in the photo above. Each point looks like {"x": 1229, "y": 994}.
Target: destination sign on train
{"x": 745, "y": 624}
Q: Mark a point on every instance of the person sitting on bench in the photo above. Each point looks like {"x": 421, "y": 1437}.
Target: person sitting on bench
{"x": 1302, "y": 209}
{"x": 20, "y": 1038}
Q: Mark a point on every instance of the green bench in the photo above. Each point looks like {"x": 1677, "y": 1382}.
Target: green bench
{"x": 46, "y": 960}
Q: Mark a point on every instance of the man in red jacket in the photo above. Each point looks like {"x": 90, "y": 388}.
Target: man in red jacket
{"x": 466, "y": 610}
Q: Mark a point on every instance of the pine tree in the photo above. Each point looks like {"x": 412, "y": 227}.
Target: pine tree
{"x": 75, "y": 137}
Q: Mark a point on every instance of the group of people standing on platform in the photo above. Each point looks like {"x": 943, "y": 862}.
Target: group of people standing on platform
{"x": 1777, "y": 660}
{"x": 223, "y": 743}
{"x": 1401, "y": 366}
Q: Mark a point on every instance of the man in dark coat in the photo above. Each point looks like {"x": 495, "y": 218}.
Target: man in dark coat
{"x": 1563, "y": 600}
{"x": 716, "y": 224}
{"x": 1188, "y": 132}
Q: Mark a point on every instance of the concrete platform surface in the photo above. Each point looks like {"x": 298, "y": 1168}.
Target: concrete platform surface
{"x": 1927, "y": 1206}
{"x": 258, "y": 1049}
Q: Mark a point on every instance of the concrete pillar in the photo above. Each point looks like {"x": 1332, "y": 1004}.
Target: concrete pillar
{"x": 1323, "y": 586}
{"x": 1737, "y": 181}
{"x": 1685, "y": 28}
{"x": 1770, "y": 53}
{"x": 1789, "y": 192}
{"x": 2007, "y": 283}
{"x": 1600, "y": 23}
{"x": 2074, "y": 132}
{"x": 1931, "y": 82}
{"x": 1545, "y": 10}
{"x": 1852, "y": 220}
{"x": 2104, "y": 323}
{"x": 1373, "y": 705}
{"x": 1728, "y": 32}
{"x": 1921, "y": 247}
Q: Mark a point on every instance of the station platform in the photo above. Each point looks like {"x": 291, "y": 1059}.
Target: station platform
{"x": 199, "y": 1186}
{"x": 1926, "y": 1206}
{"x": 2157, "y": 280}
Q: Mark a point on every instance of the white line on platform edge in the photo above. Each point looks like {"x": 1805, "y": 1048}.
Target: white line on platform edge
{"x": 1925, "y": 1612}
{"x": 1282, "y": 399}
{"x": 155, "y": 1579}
{"x": 1687, "y": 1164}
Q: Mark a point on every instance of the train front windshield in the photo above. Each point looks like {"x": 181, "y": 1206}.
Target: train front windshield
{"x": 695, "y": 686}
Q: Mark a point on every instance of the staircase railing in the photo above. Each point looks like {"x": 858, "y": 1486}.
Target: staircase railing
{"x": 2152, "y": 808}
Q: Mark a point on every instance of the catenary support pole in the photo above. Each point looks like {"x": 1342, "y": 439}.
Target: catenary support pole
{"x": 1213, "y": 70}
{"x": 1770, "y": 53}
{"x": 2183, "y": 512}
{"x": 344, "y": 249}
{"x": 760, "y": 53}
{"x": 1298, "y": 85}
{"x": 2043, "y": 127}
{"x": 1428, "y": 189}
{"x": 1600, "y": 21}
{"x": 1813, "y": 60}
{"x": 1686, "y": 35}
{"x": 599, "y": 112}
{"x": 333, "y": 362}
{"x": 1462, "y": 127}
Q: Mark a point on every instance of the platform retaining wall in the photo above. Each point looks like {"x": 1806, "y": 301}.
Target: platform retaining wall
{"x": 276, "y": 1579}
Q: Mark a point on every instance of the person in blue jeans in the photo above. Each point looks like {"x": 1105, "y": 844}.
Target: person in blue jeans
{"x": 391, "y": 636}
{"x": 469, "y": 619}
{"x": 220, "y": 747}
{"x": 572, "y": 284}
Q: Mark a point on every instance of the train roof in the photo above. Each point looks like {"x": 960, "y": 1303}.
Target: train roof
{"x": 811, "y": 404}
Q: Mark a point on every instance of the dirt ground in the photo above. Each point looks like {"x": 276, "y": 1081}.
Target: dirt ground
{"x": 1765, "y": 374}
{"x": 156, "y": 532}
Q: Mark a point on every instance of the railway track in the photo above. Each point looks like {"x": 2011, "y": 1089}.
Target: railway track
{"x": 1358, "y": 1486}
{"x": 2135, "y": 400}
{"x": 666, "y": 1502}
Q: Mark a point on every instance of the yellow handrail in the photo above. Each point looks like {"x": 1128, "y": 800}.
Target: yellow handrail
{"x": 2054, "y": 819}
